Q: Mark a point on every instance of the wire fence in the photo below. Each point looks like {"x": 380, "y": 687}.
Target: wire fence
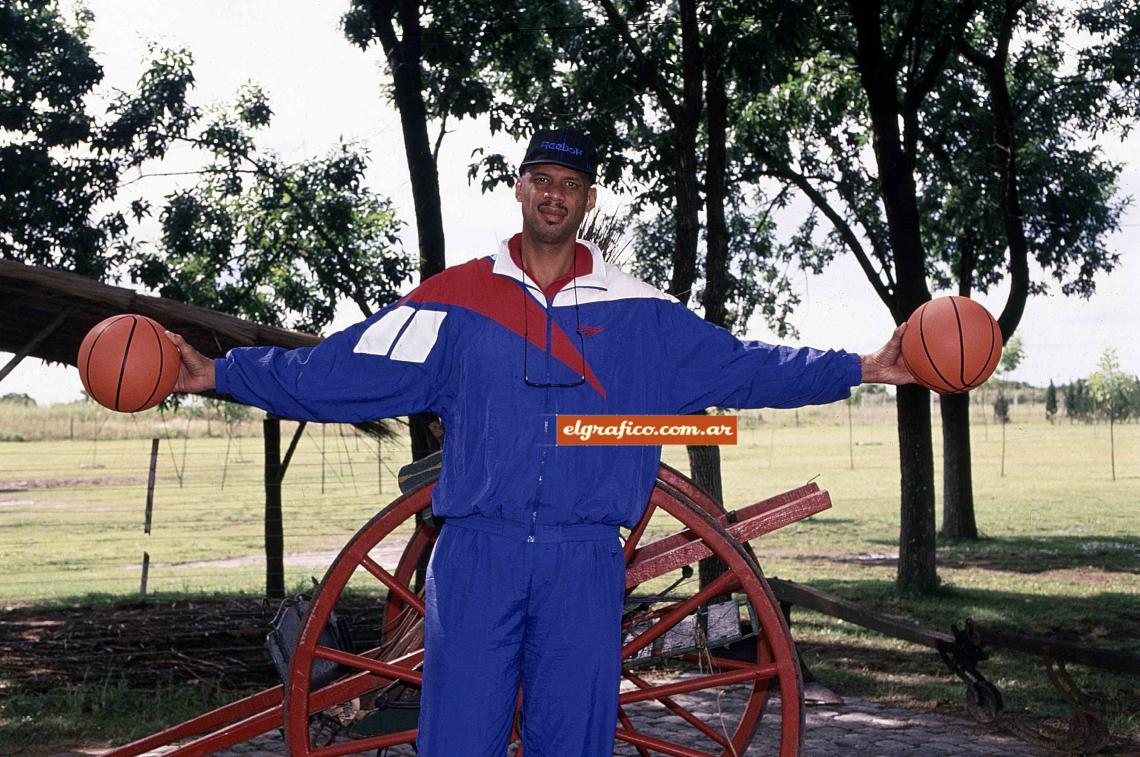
{"x": 73, "y": 514}
{"x": 73, "y": 511}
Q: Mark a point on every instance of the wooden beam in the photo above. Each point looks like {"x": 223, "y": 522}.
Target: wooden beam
{"x": 837, "y": 607}
{"x": 292, "y": 447}
{"x": 35, "y": 341}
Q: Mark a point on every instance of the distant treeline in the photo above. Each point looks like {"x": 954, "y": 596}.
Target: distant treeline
{"x": 1079, "y": 402}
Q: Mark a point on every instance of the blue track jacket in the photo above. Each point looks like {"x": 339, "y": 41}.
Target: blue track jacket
{"x": 457, "y": 346}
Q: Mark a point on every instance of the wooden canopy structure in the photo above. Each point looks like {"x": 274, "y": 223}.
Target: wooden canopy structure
{"x": 45, "y": 313}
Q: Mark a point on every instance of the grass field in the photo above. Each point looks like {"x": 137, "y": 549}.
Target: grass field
{"x": 1060, "y": 555}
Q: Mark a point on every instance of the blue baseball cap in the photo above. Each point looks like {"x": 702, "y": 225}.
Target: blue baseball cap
{"x": 563, "y": 147}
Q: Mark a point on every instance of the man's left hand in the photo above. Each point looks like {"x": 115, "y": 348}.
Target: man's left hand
{"x": 885, "y": 365}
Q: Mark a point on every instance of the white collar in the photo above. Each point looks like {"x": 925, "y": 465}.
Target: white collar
{"x": 595, "y": 279}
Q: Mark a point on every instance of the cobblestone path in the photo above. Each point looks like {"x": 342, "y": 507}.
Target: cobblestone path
{"x": 853, "y": 729}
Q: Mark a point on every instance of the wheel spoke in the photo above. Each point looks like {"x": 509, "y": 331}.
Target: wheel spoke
{"x": 389, "y": 670}
{"x": 700, "y": 682}
{"x": 676, "y": 612}
{"x": 631, "y": 542}
{"x": 678, "y": 710}
{"x": 356, "y": 746}
{"x": 717, "y": 662}
{"x": 628, "y": 725}
{"x": 659, "y": 745}
{"x": 397, "y": 588}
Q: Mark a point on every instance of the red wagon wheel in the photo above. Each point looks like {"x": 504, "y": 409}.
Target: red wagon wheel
{"x": 699, "y": 660}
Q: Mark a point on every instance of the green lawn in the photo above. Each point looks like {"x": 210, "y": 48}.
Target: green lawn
{"x": 1059, "y": 557}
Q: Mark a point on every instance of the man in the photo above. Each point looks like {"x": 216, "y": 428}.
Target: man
{"x": 526, "y": 581}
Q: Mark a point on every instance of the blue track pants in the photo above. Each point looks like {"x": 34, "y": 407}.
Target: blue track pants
{"x": 503, "y": 611}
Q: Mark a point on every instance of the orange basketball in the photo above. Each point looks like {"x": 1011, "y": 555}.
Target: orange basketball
{"x": 951, "y": 345}
{"x": 127, "y": 363}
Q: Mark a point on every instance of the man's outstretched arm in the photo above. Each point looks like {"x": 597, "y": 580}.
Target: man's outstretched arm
{"x": 394, "y": 363}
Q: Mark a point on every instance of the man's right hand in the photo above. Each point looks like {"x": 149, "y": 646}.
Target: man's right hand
{"x": 196, "y": 374}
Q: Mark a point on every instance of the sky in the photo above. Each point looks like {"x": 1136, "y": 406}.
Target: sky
{"x": 323, "y": 90}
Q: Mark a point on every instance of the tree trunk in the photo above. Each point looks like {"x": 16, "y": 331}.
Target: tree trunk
{"x": 704, "y": 462}
{"x": 404, "y": 57}
{"x": 407, "y": 92}
{"x": 916, "y": 569}
{"x": 958, "y": 521}
{"x": 686, "y": 124}
{"x": 716, "y": 232}
{"x": 1112, "y": 445}
{"x": 704, "y": 466}
{"x": 895, "y": 158}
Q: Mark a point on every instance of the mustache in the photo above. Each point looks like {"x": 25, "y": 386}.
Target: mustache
{"x": 552, "y": 204}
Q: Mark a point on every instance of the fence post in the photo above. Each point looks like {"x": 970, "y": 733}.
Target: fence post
{"x": 145, "y": 571}
{"x": 150, "y": 484}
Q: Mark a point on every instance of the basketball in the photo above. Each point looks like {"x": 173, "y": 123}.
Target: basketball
{"x": 127, "y": 363}
{"x": 951, "y": 345}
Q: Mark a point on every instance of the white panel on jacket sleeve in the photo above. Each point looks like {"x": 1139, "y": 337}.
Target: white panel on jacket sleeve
{"x": 417, "y": 340}
{"x": 377, "y": 339}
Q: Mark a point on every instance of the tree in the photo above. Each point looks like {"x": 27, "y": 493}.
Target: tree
{"x": 256, "y": 237}
{"x": 1044, "y": 198}
{"x": 1051, "y": 402}
{"x": 869, "y": 66}
{"x": 1011, "y": 356}
{"x": 1116, "y": 396}
{"x": 1078, "y": 401}
{"x": 274, "y": 242}
{"x": 938, "y": 202}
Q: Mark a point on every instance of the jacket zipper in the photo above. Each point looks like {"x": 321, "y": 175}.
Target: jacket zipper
{"x": 545, "y": 431}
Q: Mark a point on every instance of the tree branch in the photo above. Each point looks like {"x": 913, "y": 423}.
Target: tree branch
{"x": 910, "y": 28}
{"x": 645, "y": 67}
{"x": 335, "y": 249}
{"x": 846, "y": 233}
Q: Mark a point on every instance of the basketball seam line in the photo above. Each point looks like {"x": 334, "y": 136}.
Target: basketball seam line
{"x": 929, "y": 359}
{"x": 961, "y": 345}
{"x": 157, "y": 378}
{"x": 87, "y": 371}
{"x": 123, "y": 367}
{"x": 990, "y": 354}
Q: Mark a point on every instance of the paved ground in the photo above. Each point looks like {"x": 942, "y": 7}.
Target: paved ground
{"x": 853, "y": 729}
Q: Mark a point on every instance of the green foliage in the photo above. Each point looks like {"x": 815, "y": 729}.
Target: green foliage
{"x": 61, "y": 165}
{"x": 1079, "y": 405}
{"x": 1012, "y": 353}
{"x": 275, "y": 242}
{"x": 808, "y": 133}
{"x": 1051, "y": 402}
{"x": 1065, "y": 185}
{"x": 1111, "y": 60}
{"x": 1115, "y": 394}
{"x": 1001, "y": 408}
{"x": 20, "y": 399}
{"x": 640, "y": 127}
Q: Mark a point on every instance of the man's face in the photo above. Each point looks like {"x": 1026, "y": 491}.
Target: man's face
{"x": 554, "y": 201}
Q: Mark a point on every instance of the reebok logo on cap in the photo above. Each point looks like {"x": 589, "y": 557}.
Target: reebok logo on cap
{"x": 562, "y": 147}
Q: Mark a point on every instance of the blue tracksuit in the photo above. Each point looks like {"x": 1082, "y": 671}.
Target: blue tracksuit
{"x": 526, "y": 582}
